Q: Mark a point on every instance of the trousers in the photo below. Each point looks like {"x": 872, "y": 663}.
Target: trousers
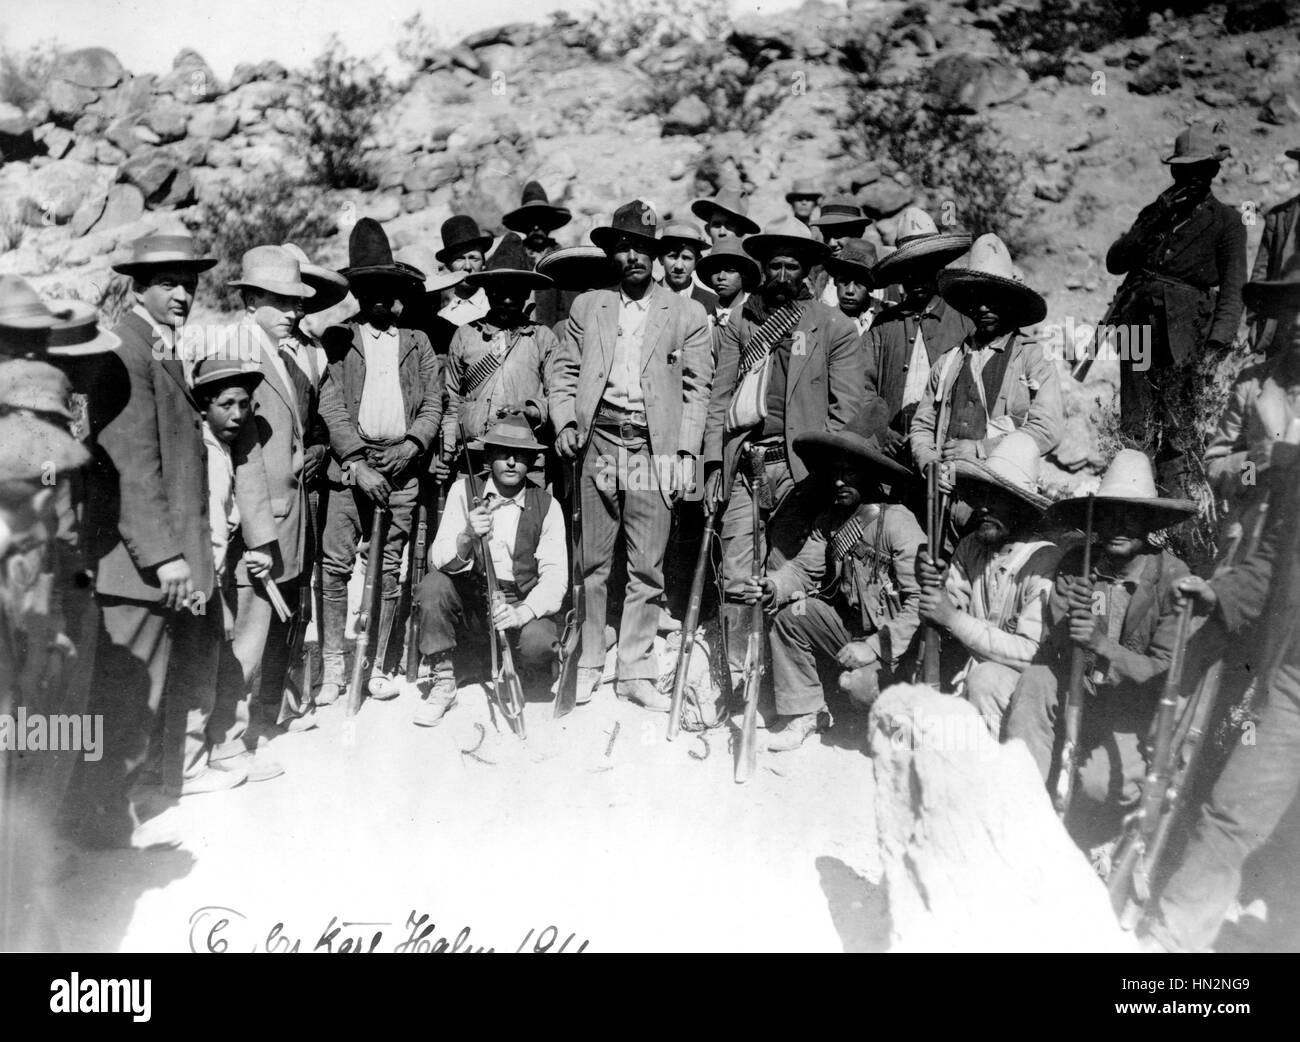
{"x": 454, "y": 612}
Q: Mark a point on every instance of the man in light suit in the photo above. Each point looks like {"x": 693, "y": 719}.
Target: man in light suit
{"x": 632, "y": 380}
{"x": 814, "y": 358}
{"x": 149, "y": 535}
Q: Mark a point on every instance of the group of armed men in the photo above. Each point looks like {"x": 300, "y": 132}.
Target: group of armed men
{"x": 808, "y": 391}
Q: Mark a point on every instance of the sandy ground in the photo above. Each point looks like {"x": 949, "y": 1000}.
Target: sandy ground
{"x": 624, "y": 841}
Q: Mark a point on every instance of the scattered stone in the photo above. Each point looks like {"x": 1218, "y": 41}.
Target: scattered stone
{"x": 429, "y": 173}
{"x": 145, "y": 136}
{"x": 191, "y": 79}
{"x": 413, "y": 202}
{"x": 517, "y": 34}
{"x": 179, "y": 191}
{"x": 124, "y": 204}
{"x": 106, "y": 153}
{"x": 151, "y": 170}
{"x": 211, "y": 123}
{"x": 1281, "y": 109}
{"x": 690, "y": 115}
{"x": 168, "y": 120}
{"x": 121, "y": 132}
{"x": 1218, "y": 99}
{"x": 59, "y": 187}
{"x": 13, "y": 121}
{"x": 964, "y": 82}
{"x": 67, "y": 100}
{"x": 94, "y": 67}
{"x": 1162, "y": 73}
{"x": 384, "y": 207}
{"x": 464, "y": 58}
{"x": 500, "y": 59}
{"x": 132, "y": 98}
{"x": 58, "y": 141}
{"x": 90, "y": 210}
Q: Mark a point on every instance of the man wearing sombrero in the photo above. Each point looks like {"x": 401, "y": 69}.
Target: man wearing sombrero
{"x": 629, "y": 401}
{"x": 850, "y": 594}
{"x": 789, "y": 365}
{"x": 725, "y": 215}
{"x": 907, "y": 338}
{"x": 1125, "y": 618}
{"x": 991, "y": 598}
{"x": 464, "y": 248}
{"x": 997, "y": 381}
{"x": 536, "y": 220}
{"x": 576, "y": 270}
{"x": 733, "y": 275}
{"x": 1276, "y": 247}
{"x": 1185, "y": 258}
{"x": 500, "y": 363}
{"x": 382, "y": 404}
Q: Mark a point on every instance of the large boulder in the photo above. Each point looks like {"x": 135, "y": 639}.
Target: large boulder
{"x": 499, "y": 60}
{"x": 131, "y": 98}
{"x": 167, "y": 119}
{"x": 121, "y": 132}
{"x": 518, "y": 34}
{"x": 430, "y": 172}
{"x": 975, "y": 859}
{"x": 152, "y": 170}
{"x": 211, "y": 122}
{"x": 691, "y": 115}
{"x": 68, "y": 100}
{"x": 191, "y": 79}
{"x": 58, "y": 142}
{"x": 94, "y": 67}
{"x": 124, "y": 205}
{"x": 965, "y": 82}
{"x": 59, "y": 187}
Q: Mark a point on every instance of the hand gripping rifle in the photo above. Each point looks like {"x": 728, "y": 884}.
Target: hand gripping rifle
{"x": 760, "y": 495}
{"x": 566, "y": 691}
{"x": 1069, "y": 764}
{"x": 690, "y": 622}
{"x": 369, "y": 595}
{"x": 507, "y": 692}
{"x": 932, "y": 638}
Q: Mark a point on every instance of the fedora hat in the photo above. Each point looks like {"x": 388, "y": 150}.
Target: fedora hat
{"x": 32, "y": 445}
{"x": 1129, "y": 483}
{"x": 1197, "y": 144}
{"x": 856, "y": 260}
{"x": 461, "y": 234}
{"x": 221, "y": 366}
{"x": 536, "y": 212}
{"x": 37, "y": 386}
{"x": 843, "y": 215}
{"x": 21, "y": 307}
{"x": 634, "y": 220}
{"x": 730, "y": 203}
{"x": 330, "y": 286}
{"x": 730, "y": 253}
{"x": 1269, "y": 296}
{"x": 169, "y": 249}
{"x": 509, "y": 263}
{"x": 509, "y": 432}
{"x": 803, "y": 188}
{"x": 989, "y": 276}
{"x": 579, "y": 268}
{"x": 789, "y": 236}
{"x": 272, "y": 268}
{"x": 1012, "y": 466}
{"x": 918, "y": 243}
{"x": 370, "y": 256}
{"x": 683, "y": 232}
{"x": 436, "y": 276}
{"x": 77, "y": 331}
{"x": 825, "y": 450}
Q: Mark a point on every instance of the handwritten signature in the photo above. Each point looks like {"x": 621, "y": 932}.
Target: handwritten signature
{"x": 216, "y": 928}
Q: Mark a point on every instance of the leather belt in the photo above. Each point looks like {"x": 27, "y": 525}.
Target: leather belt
{"x": 622, "y": 422}
{"x": 774, "y": 453}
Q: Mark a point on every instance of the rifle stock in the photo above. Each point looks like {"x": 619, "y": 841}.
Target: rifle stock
{"x": 1073, "y": 713}
{"x": 374, "y": 569}
{"x": 689, "y": 624}
{"x": 566, "y": 690}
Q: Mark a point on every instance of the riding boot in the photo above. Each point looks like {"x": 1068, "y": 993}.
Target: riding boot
{"x": 381, "y": 685}
{"x": 333, "y": 626}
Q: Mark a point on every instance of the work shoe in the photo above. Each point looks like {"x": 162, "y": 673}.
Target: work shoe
{"x": 645, "y": 694}
{"x": 793, "y": 734}
{"x": 328, "y": 694}
{"x": 441, "y": 693}
{"x": 667, "y": 624}
{"x": 210, "y": 779}
{"x": 382, "y": 687}
{"x": 589, "y": 678}
{"x": 254, "y": 766}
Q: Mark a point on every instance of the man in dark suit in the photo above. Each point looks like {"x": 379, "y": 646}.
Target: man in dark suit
{"x": 631, "y": 388}
{"x": 149, "y": 532}
{"x": 1185, "y": 258}
{"x": 1276, "y": 247}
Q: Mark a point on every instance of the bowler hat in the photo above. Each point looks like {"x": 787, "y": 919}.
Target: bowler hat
{"x": 1268, "y": 296}
{"x": 918, "y": 245}
{"x": 990, "y": 277}
{"x": 460, "y": 234}
{"x": 509, "y": 432}
{"x": 169, "y": 249}
{"x": 274, "y": 269}
{"x": 509, "y": 263}
{"x": 787, "y": 236}
{"x": 1012, "y": 465}
{"x": 634, "y": 220}
{"x": 1128, "y": 483}
{"x": 730, "y": 253}
{"x": 330, "y": 286}
{"x": 33, "y": 447}
{"x": 1197, "y": 144}
{"x": 803, "y": 188}
{"x": 856, "y": 260}
{"x": 370, "y": 256}
{"x": 579, "y": 268}
{"x": 731, "y": 204}
{"x": 536, "y": 212}
{"x": 37, "y": 386}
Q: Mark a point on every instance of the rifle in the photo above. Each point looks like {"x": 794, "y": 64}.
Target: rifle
{"x": 415, "y": 569}
{"x": 689, "y": 624}
{"x": 295, "y": 698}
{"x": 761, "y": 500}
{"x": 1074, "y": 694}
{"x": 511, "y": 704}
{"x": 1119, "y": 300}
{"x": 566, "y": 691}
{"x": 369, "y": 594}
{"x": 932, "y": 637}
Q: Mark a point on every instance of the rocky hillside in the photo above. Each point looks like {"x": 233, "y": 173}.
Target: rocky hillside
{"x": 601, "y": 113}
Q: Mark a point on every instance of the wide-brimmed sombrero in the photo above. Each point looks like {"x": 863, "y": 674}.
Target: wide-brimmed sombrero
{"x": 330, "y": 286}
{"x": 510, "y": 263}
{"x": 371, "y": 257}
{"x": 790, "y": 236}
{"x": 730, "y": 204}
{"x": 579, "y": 268}
{"x": 824, "y": 450}
{"x": 1012, "y": 466}
{"x": 989, "y": 277}
{"x": 536, "y": 212}
{"x": 918, "y": 244}
{"x": 1128, "y": 484}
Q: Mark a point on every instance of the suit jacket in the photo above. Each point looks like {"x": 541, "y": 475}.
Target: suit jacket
{"x": 823, "y": 386}
{"x": 1202, "y": 266}
{"x": 149, "y": 482}
{"x": 420, "y": 376}
{"x": 1275, "y": 248}
{"x": 282, "y": 417}
{"x": 676, "y": 369}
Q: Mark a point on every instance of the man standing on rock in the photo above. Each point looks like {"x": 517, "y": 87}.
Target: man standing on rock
{"x": 630, "y": 397}
{"x": 1185, "y": 258}
{"x": 382, "y": 403}
{"x": 788, "y": 365}
{"x": 992, "y": 595}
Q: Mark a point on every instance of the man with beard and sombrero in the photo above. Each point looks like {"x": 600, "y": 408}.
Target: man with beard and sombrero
{"x": 850, "y": 594}
{"x": 997, "y": 381}
{"x": 1277, "y": 246}
{"x": 535, "y": 220}
{"x": 1185, "y": 261}
{"x": 991, "y": 597}
{"x": 464, "y": 248}
{"x": 907, "y": 338}
{"x": 629, "y": 401}
{"x": 788, "y": 365}
{"x": 501, "y": 363}
{"x": 1125, "y": 618}
{"x": 382, "y": 403}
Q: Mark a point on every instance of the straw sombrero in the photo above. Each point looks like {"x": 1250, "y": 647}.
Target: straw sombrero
{"x": 1012, "y": 465}
{"x": 1128, "y": 483}
{"x": 918, "y": 243}
{"x": 989, "y": 277}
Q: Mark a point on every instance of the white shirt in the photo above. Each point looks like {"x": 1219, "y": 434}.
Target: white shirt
{"x": 381, "y": 416}
{"x": 223, "y": 511}
{"x": 463, "y": 310}
{"x": 918, "y": 371}
{"x": 623, "y": 389}
{"x": 552, "y": 554}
